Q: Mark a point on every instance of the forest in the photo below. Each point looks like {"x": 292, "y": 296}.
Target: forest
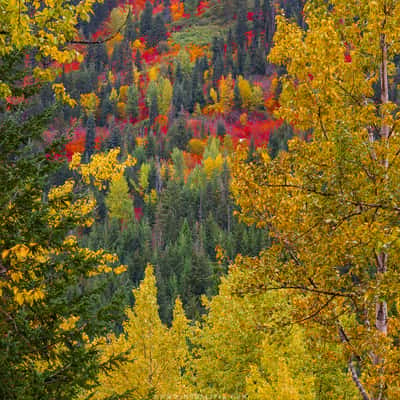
{"x": 200, "y": 199}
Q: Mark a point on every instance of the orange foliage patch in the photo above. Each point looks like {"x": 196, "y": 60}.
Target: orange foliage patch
{"x": 110, "y": 44}
{"x": 196, "y": 51}
{"x": 177, "y": 10}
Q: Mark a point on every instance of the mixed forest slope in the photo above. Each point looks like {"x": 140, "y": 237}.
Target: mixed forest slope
{"x": 176, "y": 85}
{"x": 155, "y": 239}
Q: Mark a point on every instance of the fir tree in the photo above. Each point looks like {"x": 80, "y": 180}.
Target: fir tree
{"x": 115, "y": 137}
{"x": 130, "y": 29}
{"x": 153, "y": 111}
{"x": 146, "y": 19}
{"x": 241, "y": 24}
{"x": 90, "y": 138}
{"x": 158, "y": 31}
{"x": 138, "y": 60}
{"x": 47, "y": 314}
{"x": 132, "y": 105}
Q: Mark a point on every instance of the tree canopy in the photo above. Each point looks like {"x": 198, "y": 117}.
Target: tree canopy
{"x": 331, "y": 202}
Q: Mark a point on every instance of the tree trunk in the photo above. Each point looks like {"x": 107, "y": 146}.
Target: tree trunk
{"x": 381, "y": 311}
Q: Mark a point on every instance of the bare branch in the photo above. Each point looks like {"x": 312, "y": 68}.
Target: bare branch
{"x": 357, "y": 381}
{"x": 107, "y": 39}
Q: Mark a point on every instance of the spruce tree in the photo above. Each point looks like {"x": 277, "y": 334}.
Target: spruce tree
{"x": 115, "y": 137}
{"x": 146, "y": 19}
{"x": 218, "y": 67}
{"x": 90, "y": 138}
{"x": 241, "y": 24}
{"x": 153, "y": 111}
{"x": 49, "y": 304}
{"x": 132, "y": 105}
{"x": 130, "y": 29}
{"x": 158, "y": 31}
{"x": 138, "y": 60}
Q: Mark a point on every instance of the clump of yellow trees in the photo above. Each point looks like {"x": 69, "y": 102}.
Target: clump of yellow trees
{"x": 231, "y": 354}
{"x": 331, "y": 204}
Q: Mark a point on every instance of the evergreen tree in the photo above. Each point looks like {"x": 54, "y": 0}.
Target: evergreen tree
{"x": 150, "y": 146}
{"x": 177, "y": 97}
{"x": 259, "y": 61}
{"x": 269, "y": 21}
{"x": 138, "y": 60}
{"x": 237, "y": 98}
{"x": 258, "y": 21}
{"x": 115, "y": 137}
{"x": 153, "y": 110}
{"x": 117, "y": 57}
{"x": 241, "y": 24}
{"x": 158, "y": 31}
{"x": 146, "y": 19}
{"x": 187, "y": 94}
{"x": 279, "y": 138}
{"x": 229, "y": 64}
{"x": 100, "y": 56}
{"x": 130, "y": 29}
{"x": 197, "y": 95}
{"x": 132, "y": 105}
{"x": 218, "y": 66}
{"x": 221, "y": 128}
{"x": 49, "y": 303}
{"x": 106, "y": 109}
{"x": 90, "y": 138}
{"x": 178, "y": 134}
{"x": 241, "y": 60}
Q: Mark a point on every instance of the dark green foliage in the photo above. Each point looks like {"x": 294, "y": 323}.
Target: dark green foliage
{"x": 241, "y": 24}
{"x": 31, "y": 332}
{"x": 197, "y": 95}
{"x": 97, "y": 56}
{"x": 150, "y": 146}
{"x": 132, "y": 105}
{"x": 258, "y": 60}
{"x": 237, "y": 99}
{"x": 158, "y": 31}
{"x": 269, "y": 21}
{"x": 178, "y": 134}
{"x": 153, "y": 111}
{"x": 178, "y": 97}
{"x": 115, "y": 137}
{"x": 146, "y": 19}
{"x": 130, "y": 29}
{"x": 106, "y": 109}
{"x": 221, "y": 128}
{"x": 138, "y": 60}
{"x": 218, "y": 68}
{"x": 90, "y": 138}
{"x": 279, "y": 138}
{"x": 241, "y": 60}
{"x": 188, "y": 103}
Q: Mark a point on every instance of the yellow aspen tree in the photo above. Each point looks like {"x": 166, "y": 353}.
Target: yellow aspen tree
{"x": 89, "y": 102}
{"x": 226, "y": 93}
{"x": 118, "y": 201}
{"x": 157, "y": 354}
{"x": 164, "y": 96}
{"x": 332, "y": 203}
{"x": 227, "y": 345}
{"x": 223, "y": 100}
{"x": 239, "y": 350}
{"x": 49, "y": 27}
{"x": 245, "y": 92}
